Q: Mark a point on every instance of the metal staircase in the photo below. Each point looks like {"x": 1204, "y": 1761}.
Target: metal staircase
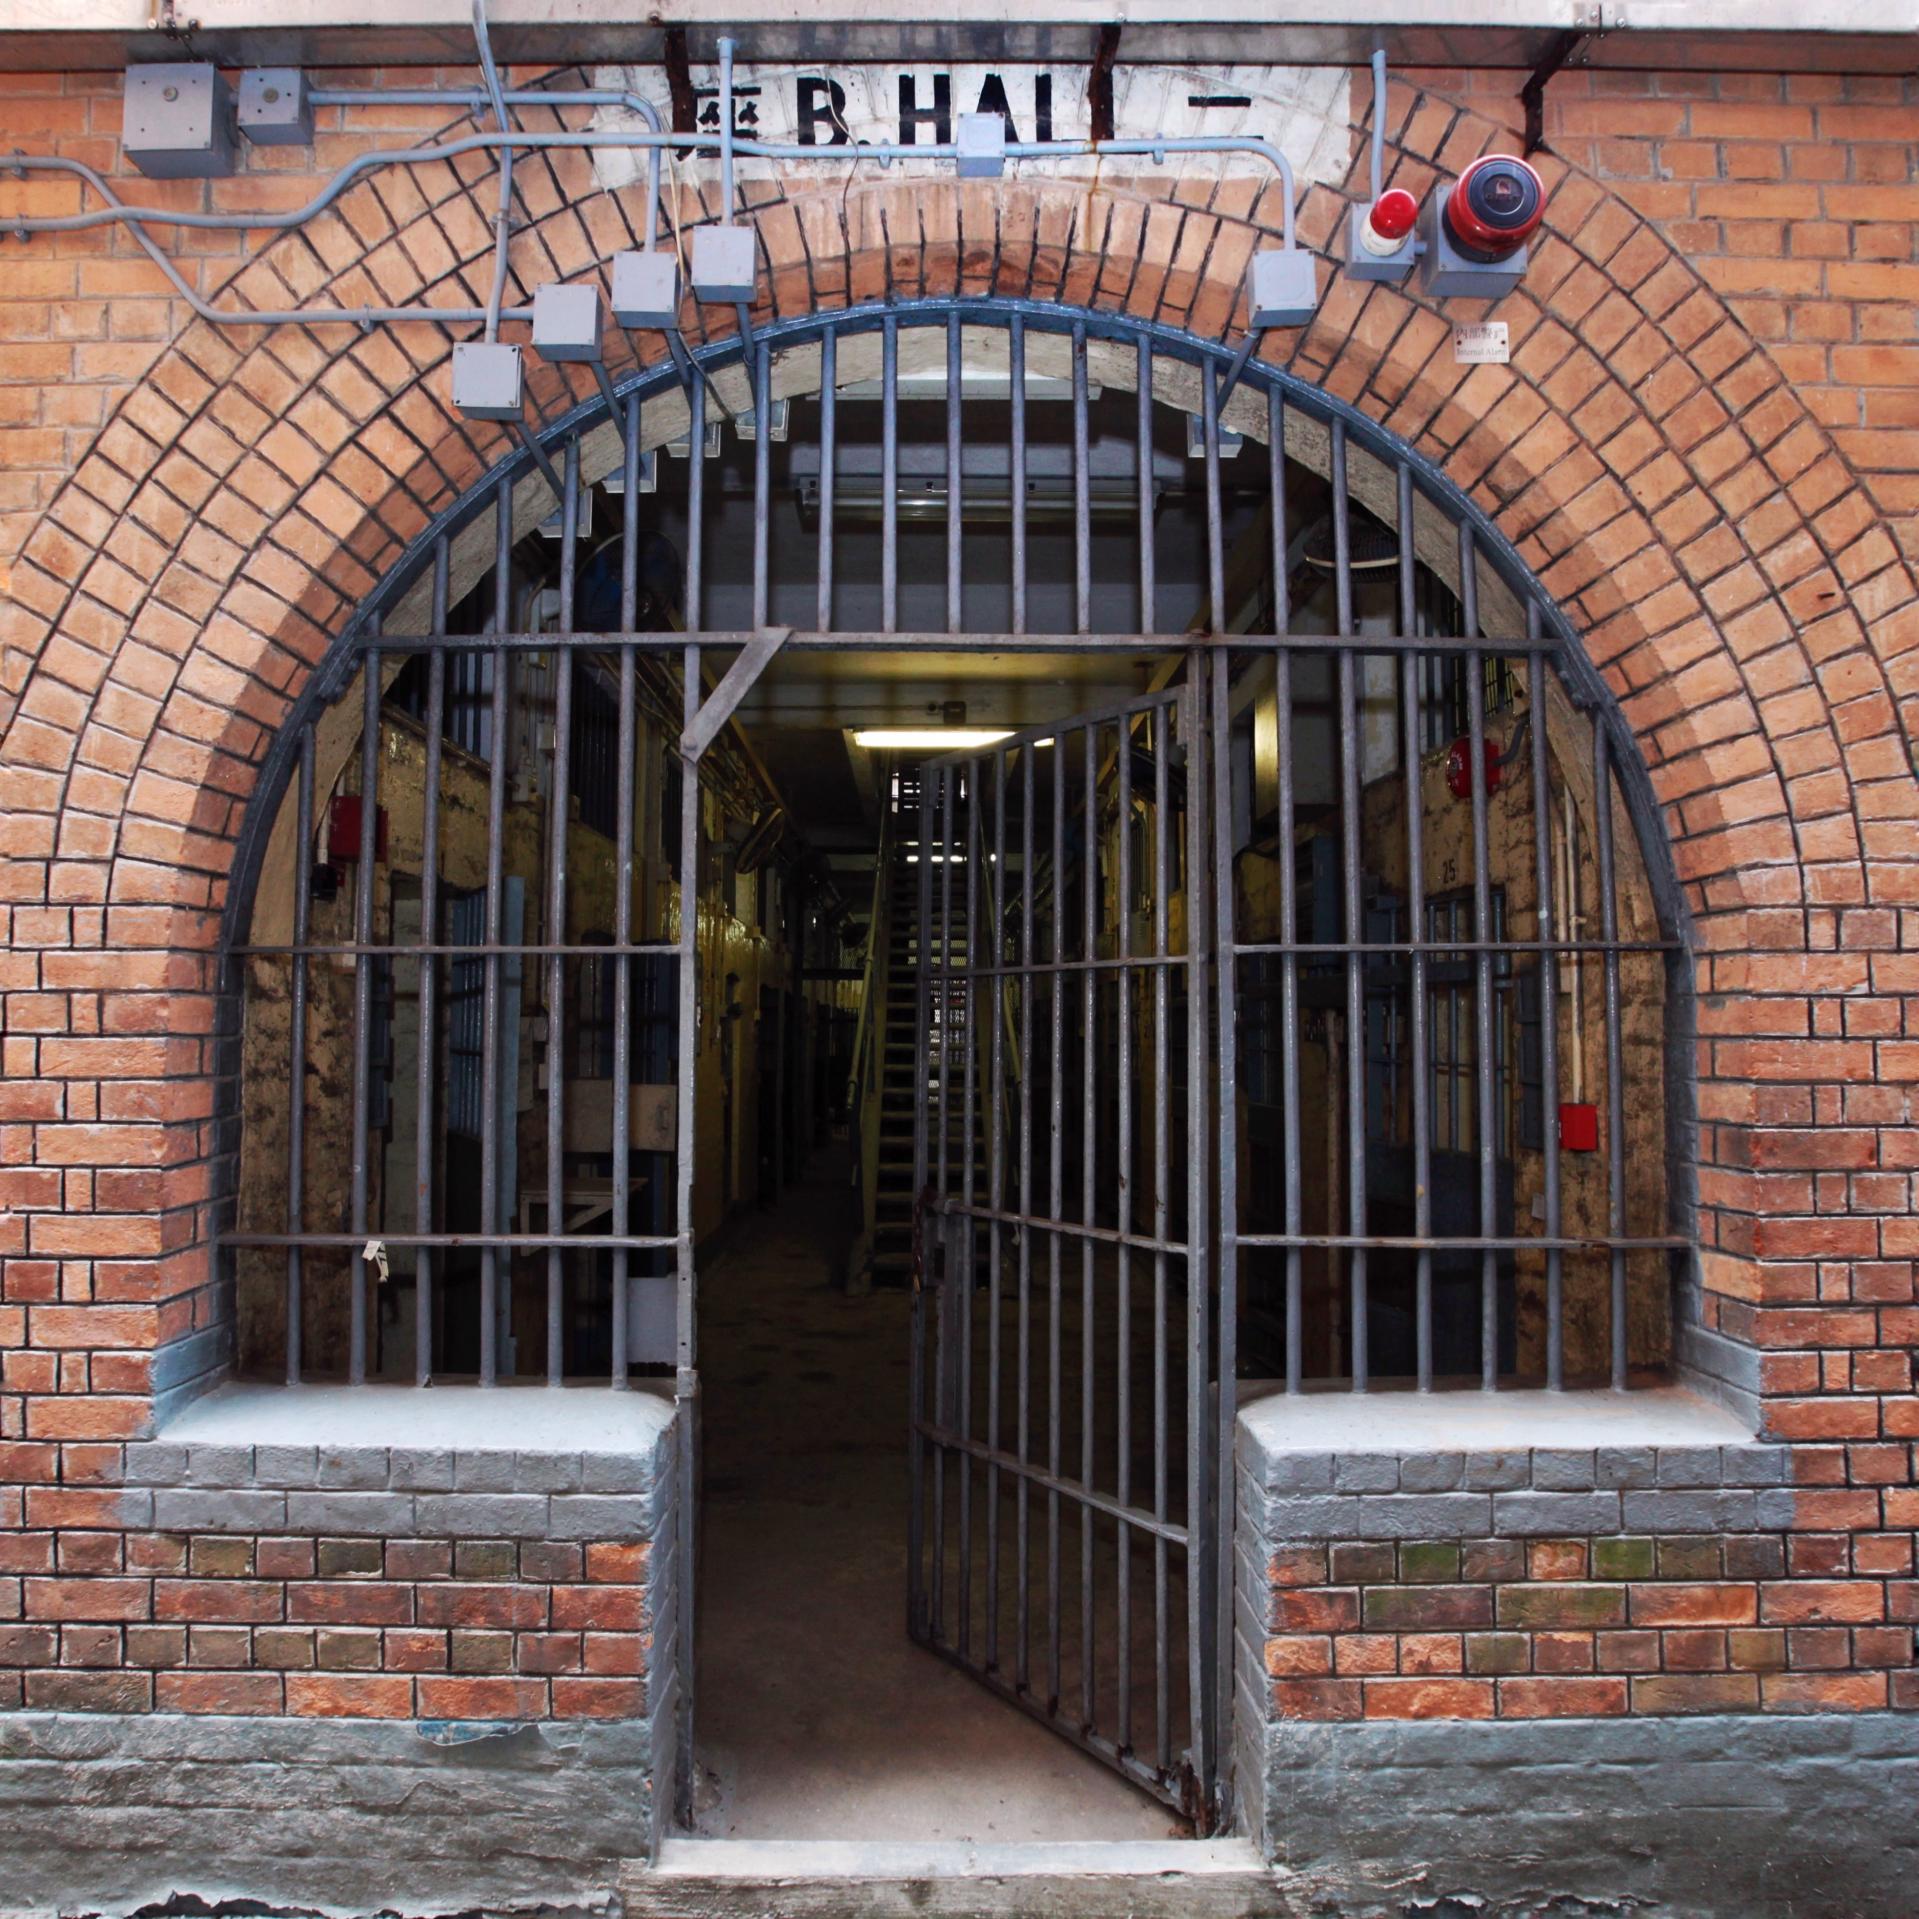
{"x": 889, "y": 1064}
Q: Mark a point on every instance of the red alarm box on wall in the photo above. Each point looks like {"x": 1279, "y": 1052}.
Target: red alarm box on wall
{"x": 1578, "y": 1127}
{"x": 343, "y": 829}
{"x": 1459, "y": 767}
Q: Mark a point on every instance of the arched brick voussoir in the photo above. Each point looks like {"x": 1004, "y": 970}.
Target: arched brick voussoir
{"x": 1646, "y": 458}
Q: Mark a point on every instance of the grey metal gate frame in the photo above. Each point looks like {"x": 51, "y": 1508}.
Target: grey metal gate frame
{"x": 1032, "y": 955}
{"x": 1199, "y": 714}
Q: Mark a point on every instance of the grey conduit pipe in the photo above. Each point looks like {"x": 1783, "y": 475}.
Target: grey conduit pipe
{"x": 137, "y": 218}
{"x": 502, "y": 218}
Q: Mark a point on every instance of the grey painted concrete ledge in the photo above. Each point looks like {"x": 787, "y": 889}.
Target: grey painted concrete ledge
{"x": 1743, "y": 1816}
{"x": 104, "y": 1813}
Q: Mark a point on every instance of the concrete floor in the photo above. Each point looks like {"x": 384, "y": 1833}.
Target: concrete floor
{"x": 818, "y": 1717}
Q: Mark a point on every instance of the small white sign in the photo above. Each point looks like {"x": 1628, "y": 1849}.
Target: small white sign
{"x": 1483, "y": 343}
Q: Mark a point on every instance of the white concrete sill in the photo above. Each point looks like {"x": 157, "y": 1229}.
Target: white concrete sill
{"x": 506, "y": 1418}
{"x": 1470, "y": 1421}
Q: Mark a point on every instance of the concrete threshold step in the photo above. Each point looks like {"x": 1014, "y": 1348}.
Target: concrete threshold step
{"x": 814, "y": 1878}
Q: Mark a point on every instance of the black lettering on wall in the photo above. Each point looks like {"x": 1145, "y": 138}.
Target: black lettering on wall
{"x": 821, "y": 103}
{"x": 939, "y": 115}
{"x": 992, "y": 99}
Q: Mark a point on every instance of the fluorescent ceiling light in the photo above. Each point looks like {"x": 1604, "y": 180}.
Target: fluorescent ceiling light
{"x": 928, "y": 739}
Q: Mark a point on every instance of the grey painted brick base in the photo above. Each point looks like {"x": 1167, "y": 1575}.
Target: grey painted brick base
{"x": 1736, "y": 1817}
{"x": 103, "y": 1813}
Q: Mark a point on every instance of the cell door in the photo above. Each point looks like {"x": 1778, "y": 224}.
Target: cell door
{"x": 1065, "y": 1432}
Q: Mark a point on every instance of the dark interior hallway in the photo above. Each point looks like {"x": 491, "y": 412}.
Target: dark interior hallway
{"x": 818, "y": 1717}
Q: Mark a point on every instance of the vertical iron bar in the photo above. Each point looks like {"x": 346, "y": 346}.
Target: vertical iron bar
{"x": 623, "y": 887}
{"x": 428, "y": 980}
{"x": 829, "y": 456}
{"x": 955, "y": 502}
{"x": 889, "y": 475}
{"x": 1162, "y": 1222}
{"x": 949, "y": 784}
{"x": 1487, "y": 1126}
{"x": 1215, "y": 516}
{"x": 490, "y": 1256}
{"x": 969, "y": 1232}
{"x": 686, "y": 1383}
{"x": 297, "y": 1051}
{"x": 1023, "y": 1669}
{"x": 996, "y": 1188}
{"x": 1205, "y": 1513}
{"x": 762, "y": 480}
{"x": 1016, "y": 393}
{"x": 918, "y": 1620}
{"x": 1202, "y": 1492}
{"x": 371, "y": 690}
{"x": 1056, "y": 1210}
{"x": 1082, "y": 502}
{"x": 1226, "y": 1401}
{"x": 1123, "y": 1219}
{"x": 559, "y": 814}
{"x": 1143, "y": 454}
{"x": 1089, "y": 1196}
{"x": 685, "y": 1377}
{"x": 695, "y": 522}
{"x": 1288, "y": 887}
{"x": 1353, "y": 918}
{"x": 949, "y": 1277}
{"x": 1417, "y": 1042}
{"x": 1615, "y": 1044}
{"x": 686, "y": 1388}
{"x": 1548, "y": 1002}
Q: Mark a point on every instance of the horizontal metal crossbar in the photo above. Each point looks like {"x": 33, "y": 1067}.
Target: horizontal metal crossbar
{"x": 505, "y": 1242}
{"x": 480, "y": 949}
{"x": 1066, "y": 1228}
{"x": 1469, "y": 1242}
{"x": 1136, "y": 1517}
{"x": 1331, "y": 949}
{"x": 835, "y": 641}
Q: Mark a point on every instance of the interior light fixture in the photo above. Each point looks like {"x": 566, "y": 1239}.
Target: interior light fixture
{"x": 928, "y": 739}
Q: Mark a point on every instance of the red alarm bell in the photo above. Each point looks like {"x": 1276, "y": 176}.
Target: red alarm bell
{"x": 1459, "y": 767}
{"x": 1494, "y": 207}
{"x": 1388, "y": 221}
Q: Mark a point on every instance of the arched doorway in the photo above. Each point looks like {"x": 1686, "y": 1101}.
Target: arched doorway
{"x": 1297, "y": 862}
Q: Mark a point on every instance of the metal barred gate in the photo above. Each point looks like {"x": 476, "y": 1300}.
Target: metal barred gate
{"x": 1066, "y": 1464}
{"x": 1091, "y": 1246}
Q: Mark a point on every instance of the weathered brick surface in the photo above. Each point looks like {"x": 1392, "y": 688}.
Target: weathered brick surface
{"x": 1671, "y": 1608}
{"x": 227, "y": 1580}
{"x": 1705, "y": 446}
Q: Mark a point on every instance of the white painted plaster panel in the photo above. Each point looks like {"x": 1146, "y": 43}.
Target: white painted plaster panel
{"x": 1305, "y": 111}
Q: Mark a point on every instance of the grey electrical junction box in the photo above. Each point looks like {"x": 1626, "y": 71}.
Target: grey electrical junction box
{"x": 1448, "y": 274}
{"x": 487, "y": 380}
{"x": 1362, "y": 263}
{"x": 566, "y": 322}
{"x": 1280, "y": 287}
{"x": 178, "y": 121}
{"x": 646, "y": 289}
{"x": 725, "y": 264}
{"x": 980, "y": 148}
{"x": 274, "y": 108}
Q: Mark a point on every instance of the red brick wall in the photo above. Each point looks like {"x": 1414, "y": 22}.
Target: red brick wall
{"x": 1699, "y": 446}
{"x": 1559, "y": 1628}
{"x": 119, "y": 1620}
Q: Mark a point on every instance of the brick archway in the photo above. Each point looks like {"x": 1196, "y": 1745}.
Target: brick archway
{"x": 1724, "y": 569}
